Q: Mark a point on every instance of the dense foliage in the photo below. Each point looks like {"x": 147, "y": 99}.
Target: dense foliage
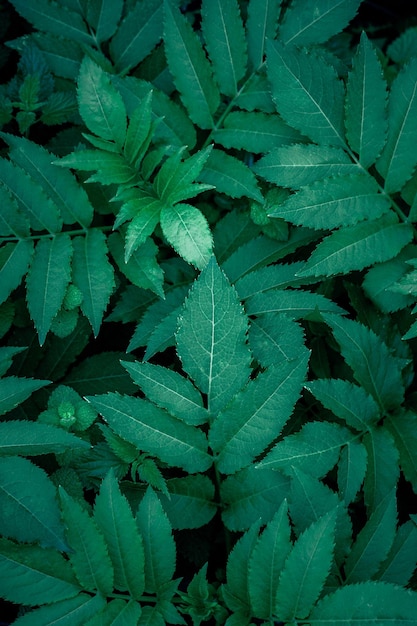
{"x": 208, "y": 290}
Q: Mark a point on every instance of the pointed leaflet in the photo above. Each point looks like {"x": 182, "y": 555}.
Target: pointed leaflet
{"x": 356, "y": 247}
{"x": 32, "y": 575}
{"x": 383, "y": 471}
{"x": 169, "y": 390}
{"x": 25, "y": 438}
{"x": 295, "y": 303}
{"x": 137, "y": 35}
{"x": 225, "y": 41}
{"x": 261, "y": 25}
{"x": 103, "y": 17}
{"x": 366, "y": 95}
{"x": 398, "y": 158}
{"x": 334, "y": 202}
{"x": 114, "y": 518}
{"x": 266, "y": 562}
{"x": 101, "y": 106}
{"x": 190, "y": 68}
{"x": 72, "y": 612}
{"x": 373, "y": 365}
{"x": 144, "y": 212}
{"x": 89, "y": 555}
{"x": 139, "y": 131}
{"x": 28, "y": 503}
{"x": 298, "y": 165}
{"x": 256, "y": 415}
{"x": 373, "y": 542}
{"x": 307, "y": 92}
{"x": 110, "y": 168}
{"x": 160, "y": 554}
{"x": 366, "y": 603}
{"x": 190, "y": 502}
{"x": 175, "y": 180}
{"x": 351, "y": 470}
{"x": 188, "y": 232}
{"x": 307, "y": 23}
{"x": 306, "y": 569}
{"x": 154, "y": 431}
{"x": 401, "y": 561}
{"x": 403, "y": 427}
{"x": 274, "y": 337}
{"x": 230, "y": 176}
{"x": 117, "y": 612}
{"x": 14, "y": 263}
{"x": 235, "y": 591}
{"x": 60, "y": 185}
{"x": 47, "y": 281}
{"x": 15, "y": 390}
{"x": 211, "y": 338}
{"x": 12, "y": 221}
{"x": 93, "y": 275}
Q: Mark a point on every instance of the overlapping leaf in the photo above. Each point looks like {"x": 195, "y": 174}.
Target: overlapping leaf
{"x": 261, "y": 25}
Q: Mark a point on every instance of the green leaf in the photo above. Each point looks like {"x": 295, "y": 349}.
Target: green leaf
{"x": 334, "y": 202}
{"x": 256, "y": 415}
{"x": 173, "y": 183}
{"x": 111, "y": 168}
{"x": 47, "y": 281}
{"x": 154, "y": 431}
{"x": 277, "y": 276}
{"x": 100, "y": 373}
{"x": 359, "y": 246}
{"x": 274, "y": 337}
{"x": 261, "y": 25}
{"x": 225, "y": 41}
{"x": 93, "y": 275}
{"x": 366, "y": 119}
{"x": 307, "y": 92}
{"x": 401, "y": 561}
{"x": 117, "y": 612}
{"x": 14, "y": 391}
{"x": 373, "y": 365}
{"x": 188, "y": 232}
{"x": 306, "y": 23}
{"x": 24, "y": 438}
{"x": 103, "y": 16}
{"x": 72, "y": 612}
{"x": 142, "y": 268}
{"x": 160, "y": 553}
{"x": 190, "y": 68}
{"x": 190, "y": 501}
{"x": 373, "y": 542}
{"x": 398, "y": 159}
{"x": 211, "y": 338}
{"x": 230, "y": 176}
{"x": 100, "y": 105}
{"x": 138, "y": 34}
{"x": 12, "y": 221}
{"x": 89, "y": 555}
{"x": 169, "y": 390}
{"x": 32, "y": 575}
{"x": 60, "y": 185}
{"x": 28, "y": 502}
{"x": 139, "y": 131}
{"x": 306, "y": 569}
{"x": 114, "y": 518}
{"x": 266, "y": 562}
{"x": 402, "y": 426}
{"x": 383, "y": 471}
{"x": 14, "y": 263}
{"x": 295, "y": 303}
{"x": 251, "y": 494}
{"x": 351, "y": 470}
{"x": 298, "y": 165}
{"x": 145, "y": 212}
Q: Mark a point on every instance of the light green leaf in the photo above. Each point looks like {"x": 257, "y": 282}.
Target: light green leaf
{"x": 366, "y": 119}
{"x": 115, "y": 520}
{"x": 160, "y": 552}
{"x": 47, "y": 281}
{"x": 25, "y": 438}
{"x": 139, "y": 131}
{"x": 72, "y": 612}
{"x": 306, "y": 569}
{"x": 230, "y": 176}
{"x": 32, "y": 575}
{"x": 190, "y": 68}
{"x": 225, "y": 41}
{"x": 144, "y": 212}
{"x": 382, "y": 471}
{"x": 154, "y": 431}
{"x": 298, "y": 165}
{"x": 142, "y": 268}
{"x": 251, "y": 494}
{"x": 28, "y": 503}
{"x": 334, "y": 202}
{"x": 12, "y": 221}
{"x": 403, "y": 427}
{"x": 307, "y": 92}
{"x": 103, "y": 17}
{"x": 211, "y": 338}
{"x": 366, "y": 603}
{"x": 274, "y": 337}
{"x": 169, "y": 390}
{"x": 100, "y": 105}
{"x": 137, "y": 35}
{"x": 256, "y": 415}
{"x": 266, "y": 562}
{"x": 398, "y": 158}
{"x": 188, "y": 232}
{"x": 174, "y": 181}
{"x": 93, "y": 275}
{"x": 89, "y": 555}
{"x": 351, "y": 470}
{"x": 295, "y": 303}
{"x": 14, "y": 263}
{"x": 261, "y": 25}
{"x": 191, "y": 501}
{"x": 14, "y": 391}
{"x": 359, "y": 246}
